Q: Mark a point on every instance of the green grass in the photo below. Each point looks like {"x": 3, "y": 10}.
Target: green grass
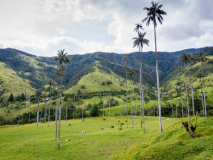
{"x": 32, "y": 142}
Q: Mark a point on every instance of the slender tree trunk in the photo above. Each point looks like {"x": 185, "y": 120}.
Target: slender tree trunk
{"x": 56, "y": 114}
{"x": 172, "y": 109}
{"x": 140, "y": 57}
{"x": 187, "y": 96}
{"x": 131, "y": 105}
{"x": 181, "y": 99}
{"x": 126, "y": 98}
{"x": 19, "y": 114}
{"x": 22, "y": 118}
{"x": 192, "y": 90}
{"x": 204, "y": 94}
{"x": 103, "y": 104}
{"x": 158, "y": 83}
{"x": 83, "y": 110}
{"x": 136, "y": 109}
{"x": 59, "y": 125}
{"x": 109, "y": 109}
{"x": 66, "y": 113}
{"x": 49, "y": 108}
{"x": 45, "y": 115}
{"x": 38, "y": 113}
{"x": 176, "y": 109}
{"x": 29, "y": 113}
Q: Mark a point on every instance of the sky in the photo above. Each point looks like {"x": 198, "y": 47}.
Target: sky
{"x": 42, "y": 27}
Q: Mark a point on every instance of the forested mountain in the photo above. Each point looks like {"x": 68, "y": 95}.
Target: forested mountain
{"x": 38, "y": 70}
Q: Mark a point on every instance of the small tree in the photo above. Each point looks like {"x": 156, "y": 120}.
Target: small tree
{"x": 11, "y": 98}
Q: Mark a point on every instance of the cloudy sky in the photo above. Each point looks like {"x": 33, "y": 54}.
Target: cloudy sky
{"x": 42, "y": 27}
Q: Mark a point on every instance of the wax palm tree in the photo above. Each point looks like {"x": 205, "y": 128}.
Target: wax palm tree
{"x": 140, "y": 41}
{"x": 103, "y": 84}
{"x": 62, "y": 59}
{"x": 83, "y": 88}
{"x": 185, "y": 61}
{"x": 58, "y": 74}
{"x": 108, "y": 84}
{"x": 154, "y": 14}
{"x": 191, "y": 59}
{"x": 202, "y": 59}
{"x": 50, "y": 82}
{"x": 131, "y": 74}
{"x": 125, "y": 60}
{"x": 180, "y": 70}
{"x": 38, "y": 96}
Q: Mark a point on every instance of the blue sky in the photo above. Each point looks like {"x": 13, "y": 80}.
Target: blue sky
{"x": 43, "y": 27}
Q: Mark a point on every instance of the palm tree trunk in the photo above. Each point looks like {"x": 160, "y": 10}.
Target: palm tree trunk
{"x": 131, "y": 105}
{"x": 140, "y": 57}
{"x": 181, "y": 99}
{"x": 66, "y": 113}
{"x": 38, "y": 112}
{"x": 29, "y": 113}
{"x": 158, "y": 83}
{"x": 176, "y": 109}
{"x": 49, "y": 108}
{"x": 59, "y": 125}
{"x": 19, "y": 115}
{"x": 204, "y": 94}
{"x": 109, "y": 109}
{"x": 83, "y": 110}
{"x": 136, "y": 109}
{"x": 56, "y": 113}
{"x": 193, "y": 106}
{"x": 126, "y": 99}
{"x": 45, "y": 114}
{"x": 22, "y": 118}
{"x": 103, "y": 104}
{"x": 187, "y": 96}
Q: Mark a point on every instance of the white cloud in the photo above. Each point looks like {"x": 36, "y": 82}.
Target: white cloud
{"x": 82, "y": 26}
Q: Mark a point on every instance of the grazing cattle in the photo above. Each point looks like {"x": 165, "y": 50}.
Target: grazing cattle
{"x": 83, "y": 132}
{"x": 125, "y": 120}
{"x": 104, "y": 119}
{"x": 122, "y": 123}
{"x": 134, "y": 123}
{"x": 68, "y": 139}
{"x": 69, "y": 124}
{"x": 112, "y": 126}
{"x": 168, "y": 120}
{"x": 102, "y": 128}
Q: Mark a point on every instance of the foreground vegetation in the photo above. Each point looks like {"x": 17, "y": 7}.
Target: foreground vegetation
{"x": 31, "y": 142}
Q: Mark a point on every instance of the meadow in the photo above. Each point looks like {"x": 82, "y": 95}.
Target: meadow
{"x": 31, "y": 142}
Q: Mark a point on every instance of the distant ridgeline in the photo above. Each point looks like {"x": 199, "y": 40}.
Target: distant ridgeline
{"x": 36, "y": 71}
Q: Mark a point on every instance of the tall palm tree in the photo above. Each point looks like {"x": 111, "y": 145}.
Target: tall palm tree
{"x": 180, "y": 70}
{"x": 108, "y": 84}
{"x": 50, "y": 82}
{"x": 202, "y": 59}
{"x": 131, "y": 74}
{"x": 154, "y": 14}
{"x": 103, "y": 98}
{"x": 58, "y": 74}
{"x": 140, "y": 41}
{"x": 83, "y": 88}
{"x": 191, "y": 59}
{"x": 38, "y": 95}
{"x": 62, "y": 59}
{"x": 125, "y": 60}
{"x": 185, "y": 61}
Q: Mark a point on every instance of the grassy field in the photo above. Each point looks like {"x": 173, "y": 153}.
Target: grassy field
{"x": 32, "y": 142}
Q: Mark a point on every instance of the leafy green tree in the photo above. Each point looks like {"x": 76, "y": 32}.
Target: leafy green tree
{"x": 94, "y": 112}
{"x": 62, "y": 59}
{"x": 11, "y": 98}
{"x": 140, "y": 41}
{"x": 23, "y": 97}
{"x": 202, "y": 59}
{"x": 154, "y": 14}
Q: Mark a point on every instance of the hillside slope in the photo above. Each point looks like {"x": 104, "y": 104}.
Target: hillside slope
{"x": 10, "y": 82}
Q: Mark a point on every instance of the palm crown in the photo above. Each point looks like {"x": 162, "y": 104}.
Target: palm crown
{"x": 140, "y": 40}
{"x": 154, "y": 13}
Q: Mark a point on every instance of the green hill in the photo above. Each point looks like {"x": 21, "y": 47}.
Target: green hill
{"x": 10, "y": 82}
